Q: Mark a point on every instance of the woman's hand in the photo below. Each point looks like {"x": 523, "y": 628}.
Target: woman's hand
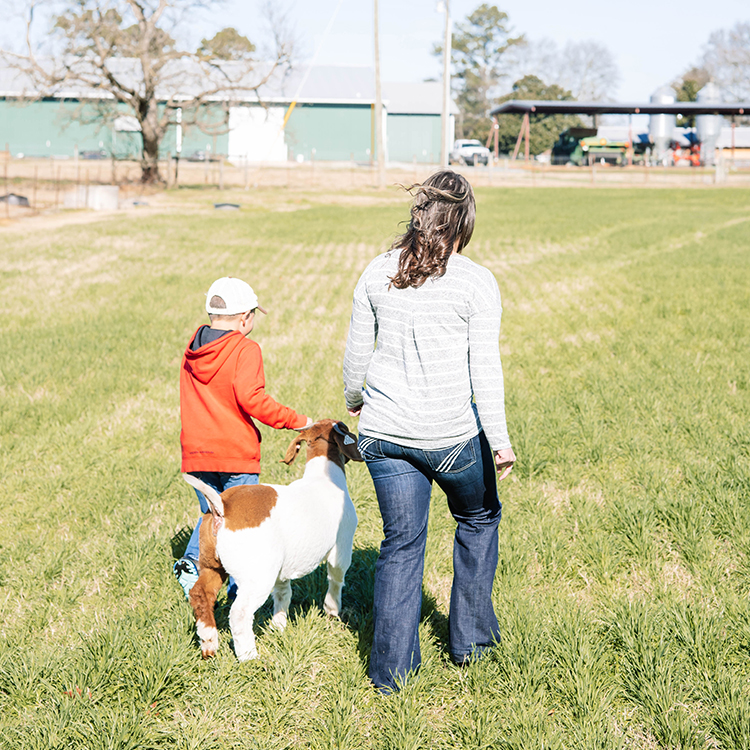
{"x": 504, "y": 461}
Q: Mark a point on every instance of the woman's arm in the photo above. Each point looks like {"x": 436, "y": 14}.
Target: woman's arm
{"x": 486, "y": 372}
{"x": 360, "y": 344}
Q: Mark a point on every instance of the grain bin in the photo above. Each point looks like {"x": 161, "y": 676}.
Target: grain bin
{"x": 661, "y": 127}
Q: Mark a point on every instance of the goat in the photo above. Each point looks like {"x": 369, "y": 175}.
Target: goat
{"x": 266, "y": 535}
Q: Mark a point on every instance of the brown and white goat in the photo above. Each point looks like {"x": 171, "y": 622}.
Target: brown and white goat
{"x": 266, "y": 535}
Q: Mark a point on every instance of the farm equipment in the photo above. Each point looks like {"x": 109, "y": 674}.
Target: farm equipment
{"x": 583, "y": 146}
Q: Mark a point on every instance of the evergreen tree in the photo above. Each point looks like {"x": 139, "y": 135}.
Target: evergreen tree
{"x": 478, "y": 57}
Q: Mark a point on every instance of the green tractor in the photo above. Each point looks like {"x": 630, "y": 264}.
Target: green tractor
{"x": 582, "y": 147}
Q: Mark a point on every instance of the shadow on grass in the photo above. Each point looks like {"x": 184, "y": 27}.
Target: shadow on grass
{"x": 180, "y": 541}
{"x": 309, "y": 592}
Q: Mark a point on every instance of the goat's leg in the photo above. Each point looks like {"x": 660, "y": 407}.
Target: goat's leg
{"x": 203, "y": 594}
{"x": 250, "y": 596}
{"x": 202, "y": 599}
{"x": 282, "y": 597}
{"x": 339, "y": 560}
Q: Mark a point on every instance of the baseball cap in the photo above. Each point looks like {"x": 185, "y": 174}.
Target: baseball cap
{"x": 238, "y": 297}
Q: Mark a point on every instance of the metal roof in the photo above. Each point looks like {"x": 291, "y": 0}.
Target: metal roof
{"x": 415, "y": 98}
{"x": 321, "y": 84}
{"x": 540, "y": 107}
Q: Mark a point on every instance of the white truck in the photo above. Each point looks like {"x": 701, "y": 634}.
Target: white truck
{"x": 469, "y": 152}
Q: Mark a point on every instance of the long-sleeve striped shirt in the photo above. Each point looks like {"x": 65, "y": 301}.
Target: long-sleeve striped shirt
{"x": 416, "y": 356}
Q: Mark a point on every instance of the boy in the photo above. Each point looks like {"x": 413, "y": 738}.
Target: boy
{"x": 221, "y": 391}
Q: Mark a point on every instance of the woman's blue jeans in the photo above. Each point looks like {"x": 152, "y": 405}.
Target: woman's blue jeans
{"x": 220, "y": 481}
{"x": 403, "y": 482}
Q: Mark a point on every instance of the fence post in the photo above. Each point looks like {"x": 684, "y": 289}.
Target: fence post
{"x": 7, "y": 192}
{"x": 78, "y": 173}
{"x": 221, "y": 173}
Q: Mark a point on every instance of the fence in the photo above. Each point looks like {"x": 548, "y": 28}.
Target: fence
{"x": 48, "y": 184}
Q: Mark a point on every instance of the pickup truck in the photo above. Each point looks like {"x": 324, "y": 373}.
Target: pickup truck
{"x": 469, "y": 152}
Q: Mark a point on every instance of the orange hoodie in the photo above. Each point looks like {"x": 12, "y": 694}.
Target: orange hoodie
{"x": 221, "y": 389}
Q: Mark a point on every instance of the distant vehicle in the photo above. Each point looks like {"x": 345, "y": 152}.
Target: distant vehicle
{"x": 469, "y": 152}
{"x": 203, "y": 156}
{"x": 97, "y": 154}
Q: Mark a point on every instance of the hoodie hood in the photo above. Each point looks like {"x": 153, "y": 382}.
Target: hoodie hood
{"x": 207, "y": 360}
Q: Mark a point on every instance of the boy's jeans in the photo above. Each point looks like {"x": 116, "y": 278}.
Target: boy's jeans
{"x": 403, "y": 483}
{"x": 220, "y": 481}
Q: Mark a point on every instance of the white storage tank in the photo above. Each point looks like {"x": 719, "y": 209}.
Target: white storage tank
{"x": 661, "y": 127}
{"x": 708, "y": 127}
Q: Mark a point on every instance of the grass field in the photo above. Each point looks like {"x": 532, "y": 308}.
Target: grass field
{"x": 623, "y": 590}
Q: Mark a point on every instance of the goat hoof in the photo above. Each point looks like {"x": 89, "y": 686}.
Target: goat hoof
{"x": 249, "y": 656}
{"x": 279, "y": 621}
{"x": 331, "y": 611}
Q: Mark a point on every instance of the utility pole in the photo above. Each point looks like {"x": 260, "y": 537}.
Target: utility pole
{"x": 445, "y": 146}
{"x": 379, "y": 108}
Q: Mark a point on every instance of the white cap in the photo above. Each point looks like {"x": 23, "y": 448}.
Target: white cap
{"x": 238, "y": 297}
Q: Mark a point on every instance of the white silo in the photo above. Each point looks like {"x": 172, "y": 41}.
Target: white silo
{"x": 661, "y": 127}
{"x": 708, "y": 127}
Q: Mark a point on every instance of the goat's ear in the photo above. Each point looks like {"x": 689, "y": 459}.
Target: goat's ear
{"x": 346, "y": 441}
{"x": 292, "y": 450}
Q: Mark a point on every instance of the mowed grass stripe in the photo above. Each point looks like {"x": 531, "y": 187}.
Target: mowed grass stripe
{"x": 623, "y": 581}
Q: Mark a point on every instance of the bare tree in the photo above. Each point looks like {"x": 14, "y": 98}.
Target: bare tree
{"x": 589, "y": 71}
{"x": 123, "y": 54}
{"x": 586, "y": 69}
{"x": 727, "y": 60}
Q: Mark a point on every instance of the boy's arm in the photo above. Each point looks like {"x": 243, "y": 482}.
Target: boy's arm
{"x": 249, "y": 390}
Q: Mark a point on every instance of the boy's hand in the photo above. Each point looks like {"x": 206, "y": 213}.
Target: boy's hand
{"x": 354, "y": 412}
{"x": 309, "y": 423}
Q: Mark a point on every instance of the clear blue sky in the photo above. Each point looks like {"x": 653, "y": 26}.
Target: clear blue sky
{"x": 652, "y": 42}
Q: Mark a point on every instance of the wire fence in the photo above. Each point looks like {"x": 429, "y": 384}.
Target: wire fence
{"x": 40, "y": 185}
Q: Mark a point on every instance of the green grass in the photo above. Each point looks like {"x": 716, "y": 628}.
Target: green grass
{"x": 624, "y": 578}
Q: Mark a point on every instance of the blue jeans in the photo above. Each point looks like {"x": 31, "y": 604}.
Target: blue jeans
{"x": 220, "y": 481}
{"x": 403, "y": 482}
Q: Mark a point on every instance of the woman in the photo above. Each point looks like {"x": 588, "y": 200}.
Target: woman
{"x": 422, "y": 366}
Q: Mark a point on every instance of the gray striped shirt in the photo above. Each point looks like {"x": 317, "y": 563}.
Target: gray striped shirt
{"x": 415, "y": 357}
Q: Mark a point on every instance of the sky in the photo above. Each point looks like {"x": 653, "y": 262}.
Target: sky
{"x": 652, "y": 43}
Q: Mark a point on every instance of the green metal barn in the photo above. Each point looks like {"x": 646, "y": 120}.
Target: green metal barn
{"x": 332, "y": 118}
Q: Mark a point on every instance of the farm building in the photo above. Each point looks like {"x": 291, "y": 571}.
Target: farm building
{"x": 332, "y": 118}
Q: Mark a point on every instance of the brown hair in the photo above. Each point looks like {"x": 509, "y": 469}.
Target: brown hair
{"x": 442, "y": 218}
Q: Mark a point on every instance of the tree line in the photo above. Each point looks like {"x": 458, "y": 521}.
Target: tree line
{"x": 491, "y": 64}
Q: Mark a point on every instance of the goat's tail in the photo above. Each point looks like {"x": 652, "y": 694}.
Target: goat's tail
{"x": 212, "y": 496}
